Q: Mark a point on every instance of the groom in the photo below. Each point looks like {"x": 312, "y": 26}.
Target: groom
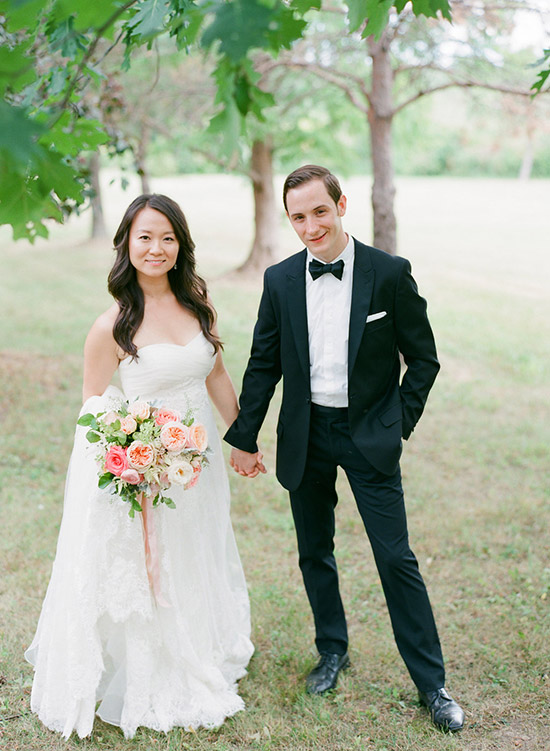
{"x": 333, "y": 321}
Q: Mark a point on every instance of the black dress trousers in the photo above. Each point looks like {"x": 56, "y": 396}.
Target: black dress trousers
{"x": 380, "y": 501}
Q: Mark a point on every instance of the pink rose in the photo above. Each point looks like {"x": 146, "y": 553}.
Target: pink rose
{"x": 197, "y": 469}
{"x": 174, "y": 436}
{"x": 131, "y": 476}
{"x": 198, "y": 436}
{"x": 164, "y": 415}
{"x": 116, "y": 460}
{"x": 140, "y": 410}
{"x": 140, "y": 455}
{"x": 128, "y": 425}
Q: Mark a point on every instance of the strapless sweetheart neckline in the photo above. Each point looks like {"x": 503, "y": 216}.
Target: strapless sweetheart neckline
{"x": 166, "y": 344}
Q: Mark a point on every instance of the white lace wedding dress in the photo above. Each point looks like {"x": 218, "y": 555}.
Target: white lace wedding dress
{"x": 104, "y": 645}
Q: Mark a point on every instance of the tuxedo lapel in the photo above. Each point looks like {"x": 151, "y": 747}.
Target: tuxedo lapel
{"x": 297, "y": 308}
{"x": 361, "y": 294}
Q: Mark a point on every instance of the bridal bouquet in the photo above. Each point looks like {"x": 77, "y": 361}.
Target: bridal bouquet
{"x": 143, "y": 449}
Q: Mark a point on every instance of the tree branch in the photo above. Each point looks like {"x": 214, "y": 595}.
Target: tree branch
{"x": 484, "y": 6}
{"x": 462, "y": 84}
{"x": 335, "y": 77}
{"x": 231, "y": 165}
{"x": 91, "y": 49}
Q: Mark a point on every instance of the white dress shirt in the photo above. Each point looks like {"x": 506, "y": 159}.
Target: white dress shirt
{"x": 328, "y": 309}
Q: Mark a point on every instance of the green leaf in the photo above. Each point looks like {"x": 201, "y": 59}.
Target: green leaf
{"x": 22, "y": 14}
{"x": 376, "y": 11}
{"x": 185, "y": 23}
{"x": 62, "y": 37}
{"x": 237, "y": 26}
{"x": 135, "y": 504}
{"x": 18, "y": 134}
{"x": 242, "y": 94}
{"x": 16, "y": 67}
{"x": 86, "y": 420}
{"x": 284, "y": 29}
{"x": 94, "y": 14}
{"x": 105, "y": 480}
{"x": 169, "y": 502}
{"x": 149, "y": 18}
{"x": 55, "y": 175}
{"x": 92, "y": 436}
{"x": 543, "y": 75}
{"x": 302, "y": 6}
{"x": 228, "y": 123}
{"x": 25, "y": 198}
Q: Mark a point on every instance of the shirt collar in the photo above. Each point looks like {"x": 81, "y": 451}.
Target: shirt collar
{"x": 346, "y": 255}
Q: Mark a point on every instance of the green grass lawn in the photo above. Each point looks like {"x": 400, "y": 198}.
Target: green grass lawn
{"x": 476, "y": 476}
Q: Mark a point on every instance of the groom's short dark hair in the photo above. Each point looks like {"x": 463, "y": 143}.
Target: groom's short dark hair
{"x": 313, "y": 172}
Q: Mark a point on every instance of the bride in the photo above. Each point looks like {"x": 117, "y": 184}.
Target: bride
{"x": 107, "y": 642}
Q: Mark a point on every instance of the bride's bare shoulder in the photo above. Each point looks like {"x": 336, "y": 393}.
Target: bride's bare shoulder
{"x": 101, "y": 332}
{"x": 103, "y": 324}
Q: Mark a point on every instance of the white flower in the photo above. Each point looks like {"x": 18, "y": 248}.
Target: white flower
{"x": 180, "y": 472}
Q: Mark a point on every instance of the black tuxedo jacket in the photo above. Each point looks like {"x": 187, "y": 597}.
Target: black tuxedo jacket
{"x": 381, "y": 410}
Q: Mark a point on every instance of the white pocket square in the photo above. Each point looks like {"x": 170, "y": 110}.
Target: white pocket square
{"x": 376, "y": 316}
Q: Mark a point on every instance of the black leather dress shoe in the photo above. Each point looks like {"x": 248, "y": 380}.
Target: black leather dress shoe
{"x": 324, "y": 675}
{"x": 445, "y": 712}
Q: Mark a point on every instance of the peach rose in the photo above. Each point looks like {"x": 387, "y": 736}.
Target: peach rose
{"x": 131, "y": 476}
{"x": 164, "y": 415}
{"x": 109, "y": 418}
{"x": 128, "y": 425}
{"x": 140, "y": 455}
{"x": 179, "y": 473}
{"x": 174, "y": 436}
{"x": 198, "y": 436}
{"x": 116, "y": 460}
{"x": 140, "y": 410}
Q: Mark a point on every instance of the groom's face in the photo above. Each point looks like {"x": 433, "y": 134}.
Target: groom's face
{"x": 317, "y": 220}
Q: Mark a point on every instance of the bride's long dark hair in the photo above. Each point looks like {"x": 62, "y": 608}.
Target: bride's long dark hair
{"x": 188, "y": 287}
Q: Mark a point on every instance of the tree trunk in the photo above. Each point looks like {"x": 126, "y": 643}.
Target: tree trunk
{"x": 266, "y": 215}
{"x": 141, "y": 155}
{"x": 98, "y": 221}
{"x": 380, "y": 116}
{"x": 527, "y": 161}
{"x": 529, "y": 151}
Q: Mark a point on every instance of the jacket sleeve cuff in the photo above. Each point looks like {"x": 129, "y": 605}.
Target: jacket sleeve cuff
{"x": 244, "y": 443}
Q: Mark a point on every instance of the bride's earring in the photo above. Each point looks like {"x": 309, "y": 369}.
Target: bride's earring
{"x": 175, "y": 267}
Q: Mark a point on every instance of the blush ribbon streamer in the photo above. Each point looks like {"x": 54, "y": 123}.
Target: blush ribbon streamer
{"x": 152, "y": 559}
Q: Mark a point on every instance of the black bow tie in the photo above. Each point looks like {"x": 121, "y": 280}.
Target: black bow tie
{"x": 317, "y": 269}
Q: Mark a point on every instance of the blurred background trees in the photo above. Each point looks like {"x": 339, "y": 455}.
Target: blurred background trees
{"x": 258, "y": 87}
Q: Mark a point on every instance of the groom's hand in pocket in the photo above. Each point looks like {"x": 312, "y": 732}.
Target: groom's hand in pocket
{"x": 246, "y": 464}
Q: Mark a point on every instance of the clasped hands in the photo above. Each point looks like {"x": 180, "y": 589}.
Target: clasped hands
{"x": 246, "y": 464}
